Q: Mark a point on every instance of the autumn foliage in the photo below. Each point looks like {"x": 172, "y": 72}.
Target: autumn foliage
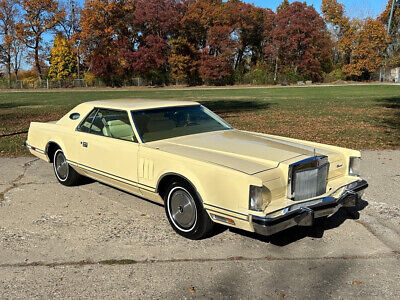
{"x": 193, "y": 41}
{"x": 207, "y": 41}
{"x": 361, "y": 43}
{"x": 62, "y": 59}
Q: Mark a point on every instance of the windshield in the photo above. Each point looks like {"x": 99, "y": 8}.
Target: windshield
{"x": 164, "y": 123}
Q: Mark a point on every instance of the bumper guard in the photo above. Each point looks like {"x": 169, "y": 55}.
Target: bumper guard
{"x": 303, "y": 214}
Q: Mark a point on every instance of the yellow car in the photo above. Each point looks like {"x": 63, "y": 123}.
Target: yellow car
{"x": 182, "y": 155}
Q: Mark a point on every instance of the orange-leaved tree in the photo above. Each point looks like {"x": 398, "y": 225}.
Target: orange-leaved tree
{"x": 108, "y": 37}
{"x": 361, "y": 43}
{"x": 369, "y": 44}
{"x": 343, "y": 28}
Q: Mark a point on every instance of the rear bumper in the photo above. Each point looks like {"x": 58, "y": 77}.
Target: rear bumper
{"x": 303, "y": 214}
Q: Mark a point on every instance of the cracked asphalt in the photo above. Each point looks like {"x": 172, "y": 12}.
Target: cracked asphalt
{"x": 93, "y": 241}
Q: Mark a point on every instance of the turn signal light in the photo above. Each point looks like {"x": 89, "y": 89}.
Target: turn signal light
{"x": 222, "y": 219}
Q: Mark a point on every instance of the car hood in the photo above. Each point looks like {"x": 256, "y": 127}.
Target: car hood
{"x": 243, "y": 151}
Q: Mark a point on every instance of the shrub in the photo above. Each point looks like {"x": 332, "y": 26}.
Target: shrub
{"x": 335, "y": 75}
{"x": 258, "y": 77}
{"x": 89, "y": 78}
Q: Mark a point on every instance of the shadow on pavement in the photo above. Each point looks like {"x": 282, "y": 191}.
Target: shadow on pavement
{"x": 285, "y": 237}
{"x": 296, "y": 233}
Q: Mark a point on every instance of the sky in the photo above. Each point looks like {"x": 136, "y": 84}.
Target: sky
{"x": 354, "y": 8}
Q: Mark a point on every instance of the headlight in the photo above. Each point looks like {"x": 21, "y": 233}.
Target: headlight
{"x": 354, "y": 166}
{"x": 256, "y": 199}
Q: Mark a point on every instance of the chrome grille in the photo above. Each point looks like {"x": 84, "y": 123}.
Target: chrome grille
{"x": 309, "y": 180}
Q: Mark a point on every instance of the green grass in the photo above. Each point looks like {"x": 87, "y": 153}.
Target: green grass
{"x": 361, "y": 117}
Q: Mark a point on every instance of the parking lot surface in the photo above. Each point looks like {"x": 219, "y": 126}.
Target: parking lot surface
{"x": 96, "y": 241}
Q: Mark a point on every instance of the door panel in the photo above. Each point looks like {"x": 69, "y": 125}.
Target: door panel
{"x": 112, "y": 158}
{"x": 107, "y": 147}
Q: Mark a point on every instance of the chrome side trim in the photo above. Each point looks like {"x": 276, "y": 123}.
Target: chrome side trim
{"x": 228, "y": 215}
{"x": 118, "y": 178}
{"x": 232, "y": 211}
{"x": 34, "y": 148}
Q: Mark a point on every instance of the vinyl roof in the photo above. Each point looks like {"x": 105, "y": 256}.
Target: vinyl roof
{"x": 137, "y": 104}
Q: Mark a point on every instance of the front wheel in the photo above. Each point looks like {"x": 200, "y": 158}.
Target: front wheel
{"x": 185, "y": 212}
{"x": 65, "y": 174}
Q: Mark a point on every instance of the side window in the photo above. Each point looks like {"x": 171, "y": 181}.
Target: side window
{"x": 113, "y": 123}
{"x": 85, "y": 125}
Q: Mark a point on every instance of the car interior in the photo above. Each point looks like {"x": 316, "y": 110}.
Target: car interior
{"x": 110, "y": 123}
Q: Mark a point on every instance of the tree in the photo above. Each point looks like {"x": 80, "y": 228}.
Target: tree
{"x": 393, "y": 52}
{"x": 361, "y": 43}
{"x": 108, "y": 38}
{"x": 62, "y": 58}
{"x": 9, "y": 15}
{"x": 211, "y": 27}
{"x": 301, "y": 41}
{"x": 284, "y": 4}
{"x": 368, "y": 48}
{"x": 113, "y": 64}
{"x": 151, "y": 59}
{"x": 334, "y": 14}
{"x": 71, "y": 27}
{"x": 216, "y": 62}
{"x": 183, "y": 61}
{"x": 70, "y": 21}
{"x": 198, "y": 18}
{"x": 157, "y": 22}
{"x": 252, "y": 22}
{"x": 40, "y": 16}
{"x": 18, "y": 50}
{"x": 343, "y": 28}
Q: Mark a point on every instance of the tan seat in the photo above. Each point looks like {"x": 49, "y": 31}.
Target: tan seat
{"x": 118, "y": 129}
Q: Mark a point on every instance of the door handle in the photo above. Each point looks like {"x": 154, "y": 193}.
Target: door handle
{"x": 84, "y": 144}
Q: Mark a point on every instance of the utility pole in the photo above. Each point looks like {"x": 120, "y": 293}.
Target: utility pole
{"x": 395, "y": 4}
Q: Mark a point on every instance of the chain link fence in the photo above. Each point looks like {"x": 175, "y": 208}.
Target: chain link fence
{"x": 35, "y": 83}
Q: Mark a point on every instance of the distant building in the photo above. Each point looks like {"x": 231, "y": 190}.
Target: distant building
{"x": 387, "y": 74}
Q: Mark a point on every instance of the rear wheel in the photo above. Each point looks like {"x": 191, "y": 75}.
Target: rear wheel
{"x": 65, "y": 174}
{"x": 185, "y": 212}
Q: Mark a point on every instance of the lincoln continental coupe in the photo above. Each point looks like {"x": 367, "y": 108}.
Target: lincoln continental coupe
{"x": 203, "y": 171}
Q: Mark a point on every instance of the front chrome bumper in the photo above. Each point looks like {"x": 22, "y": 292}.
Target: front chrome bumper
{"x": 303, "y": 214}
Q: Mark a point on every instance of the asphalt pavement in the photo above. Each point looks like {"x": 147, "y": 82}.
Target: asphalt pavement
{"x": 99, "y": 242}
